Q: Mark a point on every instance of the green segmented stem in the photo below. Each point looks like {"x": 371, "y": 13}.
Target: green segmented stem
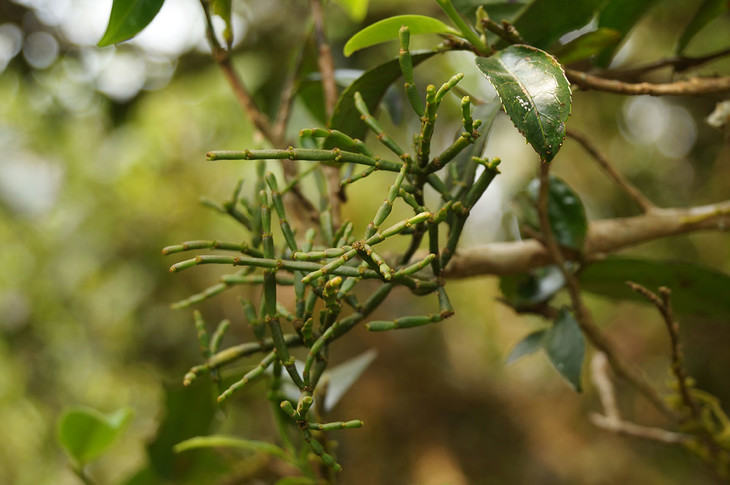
{"x": 433, "y": 247}
{"x": 439, "y": 185}
{"x": 202, "y": 335}
{"x": 466, "y": 31}
{"x": 229, "y": 207}
{"x": 307, "y": 154}
{"x": 415, "y": 267}
{"x": 281, "y": 212}
{"x": 445, "y": 307}
{"x": 466, "y": 118}
{"x": 378, "y": 263}
{"x": 344, "y": 234}
{"x": 319, "y": 255}
{"x": 355, "y": 423}
{"x": 239, "y": 279}
{"x": 226, "y": 246}
{"x": 306, "y": 331}
{"x": 284, "y": 312}
{"x": 404, "y": 322}
{"x": 209, "y": 292}
{"x": 330, "y": 267}
{"x": 250, "y": 376}
{"x": 447, "y": 86}
{"x": 375, "y": 127}
{"x": 305, "y": 402}
{"x": 466, "y": 139}
{"x": 387, "y": 205}
{"x": 257, "y": 324}
{"x": 346, "y": 287}
{"x": 359, "y": 176}
{"x": 217, "y": 338}
{"x": 428, "y": 120}
{"x": 318, "y": 450}
{"x": 406, "y": 65}
{"x": 338, "y": 138}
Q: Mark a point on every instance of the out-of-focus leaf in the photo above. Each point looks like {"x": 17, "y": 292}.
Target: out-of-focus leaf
{"x": 528, "y": 345}
{"x": 621, "y": 16}
{"x": 708, "y": 11}
{"x": 696, "y": 289}
{"x": 355, "y": 9}
{"x": 222, "y": 441}
{"x": 388, "y": 29}
{"x": 534, "y": 92}
{"x": 565, "y": 346}
{"x": 222, "y": 8}
{"x": 543, "y": 22}
{"x": 587, "y": 45}
{"x": 526, "y": 290}
{"x": 372, "y": 85}
{"x": 720, "y": 116}
{"x": 296, "y": 481}
{"x": 565, "y": 211}
{"x": 86, "y": 434}
{"x": 497, "y": 10}
{"x": 340, "y": 378}
{"x": 128, "y": 18}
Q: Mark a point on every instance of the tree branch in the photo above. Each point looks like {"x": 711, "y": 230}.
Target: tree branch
{"x": 695, "y": 86}
{"x": 680, "y": 64}
{"x": 604, "y": 237}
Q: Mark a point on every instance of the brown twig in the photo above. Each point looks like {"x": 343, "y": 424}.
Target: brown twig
{"x": 695, "y": 86}
{"x": 645, "y": 204}
{"x": 584, "y": 316}
{"x": 680, "y": 64}
{"x": 329, "y": 86}
{"x": 604, "y": 237}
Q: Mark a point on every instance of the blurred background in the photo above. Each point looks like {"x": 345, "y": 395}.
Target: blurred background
{"x": 102, "y": 164}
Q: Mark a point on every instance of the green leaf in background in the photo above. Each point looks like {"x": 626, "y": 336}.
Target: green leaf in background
{"x": 86, "y": 434}
{"x": 221, "y": 441}
{"x": 128, "y": 18}
{"x": 528, "y": 345}
{"x": 341, "y": 377}
{"x": 534, "y": 93}
{"x": 565, "y": 346}
{"x": 587, "y": 45}
{"x": 523, "y": 291}
{"x": 388, "y": 29}
{"x": 497, "y": 10}
{"x": 296, "y": 481}
{"x": 565, "y": 211}
{"x": 543, "y": 22}
{"x": 222, "y": 8}
{"x": 696, "y": 289}
{"x": 621, "y": 16}
{"x": 708, "y": 11}
{"x": 355, "y": 9}
{"x": 372, "y": 86}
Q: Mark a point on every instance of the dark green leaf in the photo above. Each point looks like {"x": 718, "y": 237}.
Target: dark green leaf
{"x": 543, "y": 22}
{"x": 621, "y": 16}
{"x": 86, "y": 434}
{"x": 587, "y": 45}
{"x": 526, "y": 290}
{"x": 355, "y": 9}
{"x": 372, "y": 86}
{"x": 128, "y": 18}
{"x": 534, "y": 92}
{"x": 708, "y": 11}
{"x": 221, "y": 441}
{"x": 528, "y": 345}
{"x": 696, "y": 289}
{"x": 565, "y": 346}
{"x": 565, "y": 211}
{"x": 388, "y": 29}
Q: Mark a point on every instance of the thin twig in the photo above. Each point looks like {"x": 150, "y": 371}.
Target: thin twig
{"x": 695, "y": 86}
{"x": 584, "y": 316}
{"x": 638, "y": 431}
{"x": 680, "y": 64}
{"x": 329, "y": 86}
{"x": 645, "y": 204}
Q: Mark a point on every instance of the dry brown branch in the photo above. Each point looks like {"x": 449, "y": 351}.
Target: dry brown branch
{"x": 635, "y": 194}
{"x": 695, "y": 86}
{"x": 604, "y": 238}
{"x": 583, "y": 316}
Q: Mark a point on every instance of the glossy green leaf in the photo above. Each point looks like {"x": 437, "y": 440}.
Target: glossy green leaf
{"x": 388, "y": 29}
{"x": 696, "y": 289}
{"x": 534, "y": 93}
{"x": 372, "y": 86}
{"x": 587, "y": 45}
{"x": 621, "y": 16}
{"x": 565, "y": 346}
{"x": 355, "y": 9}
{"x": 528, "y": 345}
{"x": 341, "y": 377}
{"x": 526, "y": 290}
{"x": 86, "y": 434}
{"x": 222, "y": 8}
{"x": 708, "y": 11}
{"x": 565, "y": 212}
{"x": 222, "y": 441}
{"x": 128, "y": 18}
{"x": 543, "y": 22}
